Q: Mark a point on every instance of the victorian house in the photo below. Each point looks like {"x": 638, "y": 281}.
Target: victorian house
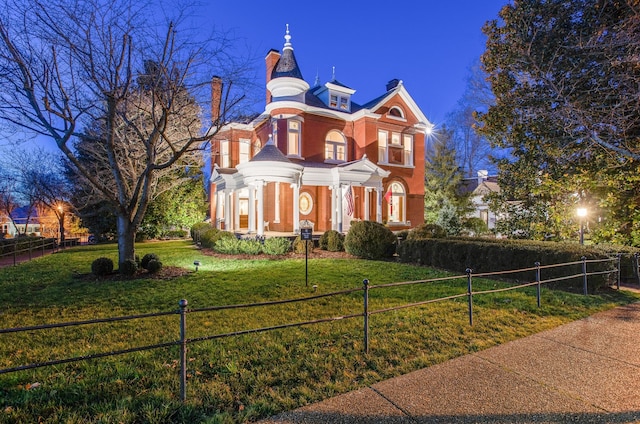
{"x": 316, "y": 156}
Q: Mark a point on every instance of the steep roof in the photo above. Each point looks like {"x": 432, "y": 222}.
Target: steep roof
{"x": 270, "y": 152}
{"x": 287, "y": 65}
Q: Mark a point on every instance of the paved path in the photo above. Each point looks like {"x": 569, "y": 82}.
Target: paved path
{"x": 587, "y": 371}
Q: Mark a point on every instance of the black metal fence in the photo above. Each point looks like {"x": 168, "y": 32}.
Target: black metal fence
{"x": 183, "y": 311}
{"x": 12, "y": 251}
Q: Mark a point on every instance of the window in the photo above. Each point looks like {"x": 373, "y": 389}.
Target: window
{"x": 293, "y": 138}
{"x": 382, "y": 146}
{"x": 337, "y": 101}
{"x": 225, "y": 157}
{"x": 396, "y": 203}
{"x": 407, "y": 142}
{"x": 396, "y": 112}
{"x": 335, "y": 147}
{"x": 398, "y": 152}
{"x": 245, "y": 147}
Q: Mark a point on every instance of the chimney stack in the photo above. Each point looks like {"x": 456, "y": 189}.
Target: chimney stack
{"x": 271, "y": 61}
{"x": 483, "y": 174}
{"x": 393, "y": 84}
{"x": 216, "y": 98}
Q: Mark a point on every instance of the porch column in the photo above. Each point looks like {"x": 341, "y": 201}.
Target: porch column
{"x": 260, "y": 195}
{"x": 367, "y": 203}
{"x": 379, "y": 203}
{"x": 339, "y": 211}
{"x": 219, "y": 215}
{"x": 296, "y": 208}
{"x": 236, "y": 210}
{"x": 252, "y": 209}
{"x": 228, "y": 222}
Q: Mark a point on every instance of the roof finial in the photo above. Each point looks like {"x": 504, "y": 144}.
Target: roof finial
{"x": 317, "y": 81}
{"x": 333, "y": 73}
{"x": 287, "y": 39}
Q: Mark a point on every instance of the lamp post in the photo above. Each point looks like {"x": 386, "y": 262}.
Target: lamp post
{"x": 581, "y": 212}
{"x": 61, "y": 223}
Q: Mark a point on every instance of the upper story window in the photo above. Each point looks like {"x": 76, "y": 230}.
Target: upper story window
{"x": 245, "y": 148}
{"x": 399, "y": 151}
{"x": 335, "y": 147}
{"x": 339, "y": 101}
{"x": 293, "y": 137}
{"x": 396, "y": 112}
{"x": 225, "y": 154}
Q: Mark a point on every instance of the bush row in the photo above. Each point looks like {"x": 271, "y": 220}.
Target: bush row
{"x": 459, "y": 254}
{"x": 104, "y": 266}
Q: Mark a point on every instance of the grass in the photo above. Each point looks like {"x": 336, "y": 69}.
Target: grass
{"x": 241, "y": 378}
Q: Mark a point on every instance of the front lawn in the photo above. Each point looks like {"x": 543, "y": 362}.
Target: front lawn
{"x": 240, "y": 378}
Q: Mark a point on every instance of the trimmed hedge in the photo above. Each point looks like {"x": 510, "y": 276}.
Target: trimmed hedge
{"x": 331, "y": 240}
{"x": 486, "y": 255}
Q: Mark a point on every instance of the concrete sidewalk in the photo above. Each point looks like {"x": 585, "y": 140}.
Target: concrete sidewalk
{"x": 587, "y": 371}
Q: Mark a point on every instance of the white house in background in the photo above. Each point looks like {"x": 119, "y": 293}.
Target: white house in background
{"x": 478, "y": 188}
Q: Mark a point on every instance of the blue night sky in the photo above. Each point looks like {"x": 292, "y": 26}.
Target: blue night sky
{"x": 428, "y": 44}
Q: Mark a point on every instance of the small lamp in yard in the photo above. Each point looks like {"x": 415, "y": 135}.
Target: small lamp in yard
{"x": 582, "y": 213}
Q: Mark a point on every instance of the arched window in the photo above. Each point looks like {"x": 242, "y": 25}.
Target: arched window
{"x": 397, "y": 112}
{"x": 335, "y": 147}
{"x": 396, "y": 202}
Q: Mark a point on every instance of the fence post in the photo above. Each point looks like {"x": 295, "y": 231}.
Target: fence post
{"x": 470, "y": 295}
{"x": 365, "y": 283}
{"x": 538, "y": 281}
{"x": 619, "y": 270}
{"x": 584, "y": 275}
{"x": 183, "y": 349}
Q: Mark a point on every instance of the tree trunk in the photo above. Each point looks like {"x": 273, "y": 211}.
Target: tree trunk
{"x": 126, "y": 240}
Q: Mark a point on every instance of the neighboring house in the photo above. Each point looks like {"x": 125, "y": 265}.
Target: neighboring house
{"x": 316, "y": 155}
{"x": 19, "y": 216}
{"x": 478, "y": 188}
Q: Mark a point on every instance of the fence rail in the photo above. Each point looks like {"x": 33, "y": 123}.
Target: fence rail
{"x": 183, "y": 311}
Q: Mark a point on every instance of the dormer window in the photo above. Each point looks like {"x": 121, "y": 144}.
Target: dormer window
{"x": 339, "y": 101}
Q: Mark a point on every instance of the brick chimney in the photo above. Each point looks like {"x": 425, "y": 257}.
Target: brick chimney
{"x": 216, "y": 98}
{"x": 271, "y": 60}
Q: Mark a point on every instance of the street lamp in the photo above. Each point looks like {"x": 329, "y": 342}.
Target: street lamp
{"x": 61, "y": 223}
{"x": 581, "y": 212}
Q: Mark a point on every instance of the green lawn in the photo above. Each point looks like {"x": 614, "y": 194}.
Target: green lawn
{"x": 241, "y": 378}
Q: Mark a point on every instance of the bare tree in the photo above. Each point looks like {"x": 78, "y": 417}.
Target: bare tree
{"x": 106, "y": 72}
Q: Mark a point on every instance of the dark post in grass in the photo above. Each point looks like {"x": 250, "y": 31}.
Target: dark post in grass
{"x": 365, "y": 283}
{"x": 538, "y": 281}
{"x": 584, "y": 275}
{"x": 306, "y": 234}
{"x": 470, "y": 295}
{"x": 619, "y": 271}
{"x": 183, "y": 349}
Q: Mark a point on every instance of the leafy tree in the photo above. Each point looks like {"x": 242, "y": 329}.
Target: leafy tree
{"x": 98, "y": 70}
{"x": 443, "y": 203}
{"x": 565, "y": 79}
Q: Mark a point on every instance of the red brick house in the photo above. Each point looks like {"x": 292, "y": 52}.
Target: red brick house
{"x": 316, "y": 155}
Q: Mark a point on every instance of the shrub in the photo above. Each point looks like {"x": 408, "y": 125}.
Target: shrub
{"x": 332, "y": 241}
{"x": 425, "y": 231}
{"x": 175, "y": 234}
{"x": 198, "y": 228}
{"x": 250, "y": 247}
{"x": 154, "y": 266}
{"x": 102, "y": 266}
{"x": 144, "y": 263}
{"x": 208, "y": 237}
{"x": 128, "y": 267}
{"x": 299, "y": 245}
{"x": 370, "y": 240}
{"x": 475, "y": 226}
{"x": 223, "y": 234}
{"x": 276, "y": 246}
{"x": 227, "y": 245}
